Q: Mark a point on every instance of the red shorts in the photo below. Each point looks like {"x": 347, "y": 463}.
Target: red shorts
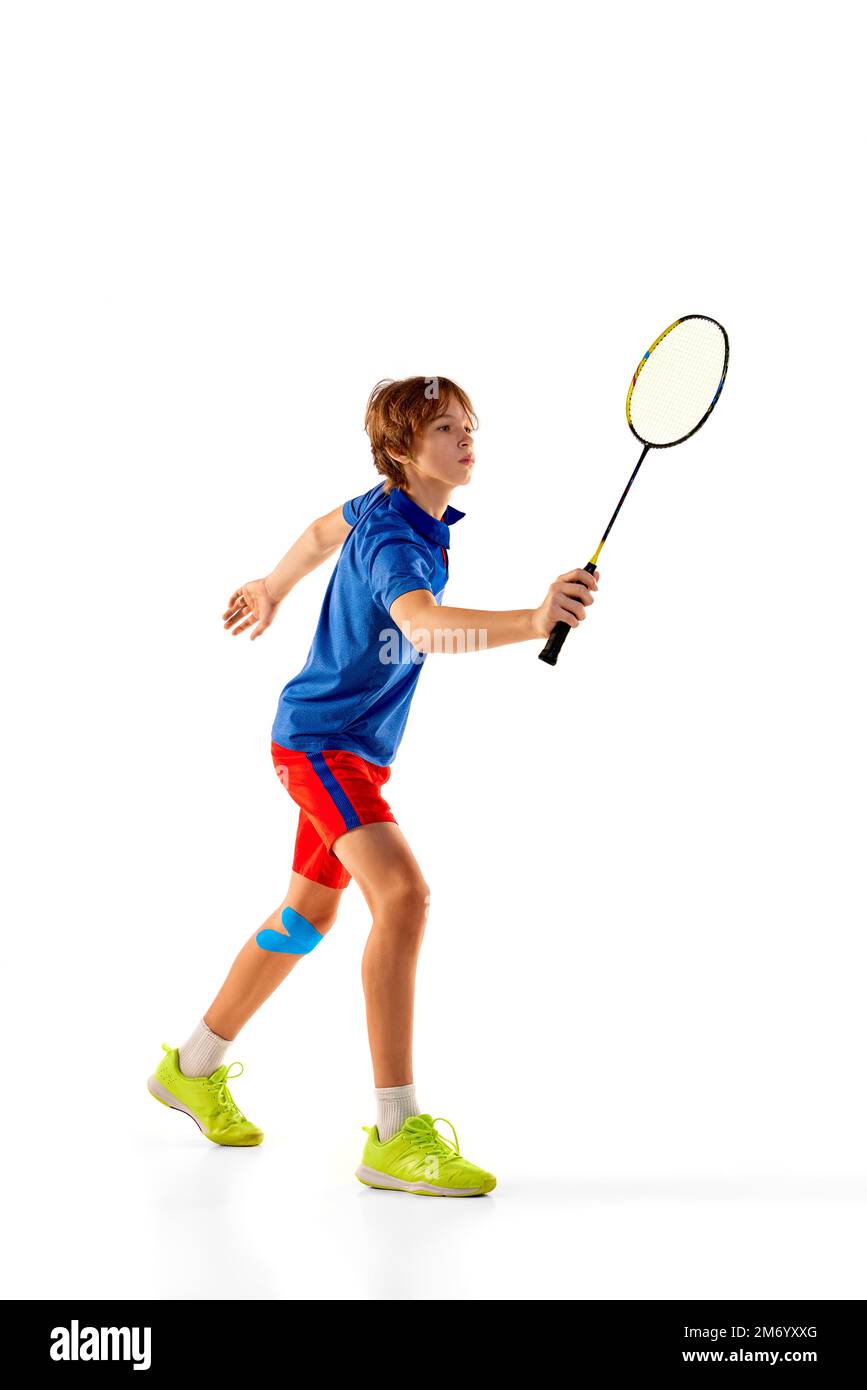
{"x": 336, "y": 790}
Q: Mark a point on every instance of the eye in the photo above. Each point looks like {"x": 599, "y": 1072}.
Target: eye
{"x": 444, "y": 427}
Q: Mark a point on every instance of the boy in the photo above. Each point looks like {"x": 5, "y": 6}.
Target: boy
{"x": 335, "y": 735}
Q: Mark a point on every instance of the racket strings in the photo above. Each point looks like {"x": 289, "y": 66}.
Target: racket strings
{"x": 677, "y": 382}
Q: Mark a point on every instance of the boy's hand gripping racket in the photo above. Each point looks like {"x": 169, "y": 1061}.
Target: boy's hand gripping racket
{"x": 676, "y": 385}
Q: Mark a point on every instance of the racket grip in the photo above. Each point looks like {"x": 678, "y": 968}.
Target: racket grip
{"x": 559, "y": 633}
{"x": 556, "y": 638}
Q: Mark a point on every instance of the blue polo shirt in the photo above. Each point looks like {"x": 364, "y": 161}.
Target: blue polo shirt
{"x": 355, "y": 688}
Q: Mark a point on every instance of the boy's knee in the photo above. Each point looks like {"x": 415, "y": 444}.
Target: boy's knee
{"x": 323, "y": 921}
{"x": 406, "y": 902}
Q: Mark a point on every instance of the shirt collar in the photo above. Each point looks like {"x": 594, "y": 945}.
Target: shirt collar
{"x": 422, "y": 521}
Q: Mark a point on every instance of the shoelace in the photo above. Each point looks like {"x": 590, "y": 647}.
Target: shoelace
{"x": 221, "y": 1092}
{"x": 424, "y": 1135}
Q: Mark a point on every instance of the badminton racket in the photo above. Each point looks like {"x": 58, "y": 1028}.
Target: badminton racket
{"x": 676, "y": 385}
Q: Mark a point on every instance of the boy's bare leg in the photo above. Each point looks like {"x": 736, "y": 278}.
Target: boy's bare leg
{"x": 255, "y": 973}
{"x": 385, "y": 869}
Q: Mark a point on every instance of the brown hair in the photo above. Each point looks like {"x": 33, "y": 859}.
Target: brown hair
{"x": 397, "y": 410}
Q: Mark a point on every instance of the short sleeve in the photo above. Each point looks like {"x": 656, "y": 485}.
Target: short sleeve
{"x": 353, "y": 509}
{"x": 398, "y": 567}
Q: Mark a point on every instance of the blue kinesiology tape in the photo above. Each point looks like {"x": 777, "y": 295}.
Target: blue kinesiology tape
{"x": 301, "y": 938}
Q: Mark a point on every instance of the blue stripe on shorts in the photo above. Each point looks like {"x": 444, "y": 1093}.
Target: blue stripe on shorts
{"x": 334, "y": 789}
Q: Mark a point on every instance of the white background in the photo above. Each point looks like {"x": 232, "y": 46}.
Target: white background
{"x": 640, "y": 996}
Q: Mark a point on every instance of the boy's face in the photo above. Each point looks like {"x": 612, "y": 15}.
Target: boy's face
{"x": 444, "y": 447}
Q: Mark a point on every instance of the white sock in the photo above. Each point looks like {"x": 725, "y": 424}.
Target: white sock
{"x": 394, "y": 1104}
{"x": 203, "y": 1051}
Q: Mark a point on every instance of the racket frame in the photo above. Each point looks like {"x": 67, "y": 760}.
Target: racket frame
{"x": 684, "y": 319}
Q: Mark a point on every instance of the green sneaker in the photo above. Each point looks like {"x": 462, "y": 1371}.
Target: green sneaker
{"x": 206, "y": 1099}
{"x": 419, "y": 1159}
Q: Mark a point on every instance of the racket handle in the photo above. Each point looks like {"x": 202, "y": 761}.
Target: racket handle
{"x": 559, "y": 633}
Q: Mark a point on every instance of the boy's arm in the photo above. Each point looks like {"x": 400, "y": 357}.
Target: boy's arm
{"x": 431, "y": 628}
{"x": 258, "y": 600}
{"x": 322, "y": 537}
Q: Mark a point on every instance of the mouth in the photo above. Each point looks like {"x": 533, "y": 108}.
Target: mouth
{"x": 466, "y": 459}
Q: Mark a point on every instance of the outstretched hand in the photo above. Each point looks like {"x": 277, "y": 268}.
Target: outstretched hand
{"x": 566, "y": 601}
{"x": 248, "y": 605}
